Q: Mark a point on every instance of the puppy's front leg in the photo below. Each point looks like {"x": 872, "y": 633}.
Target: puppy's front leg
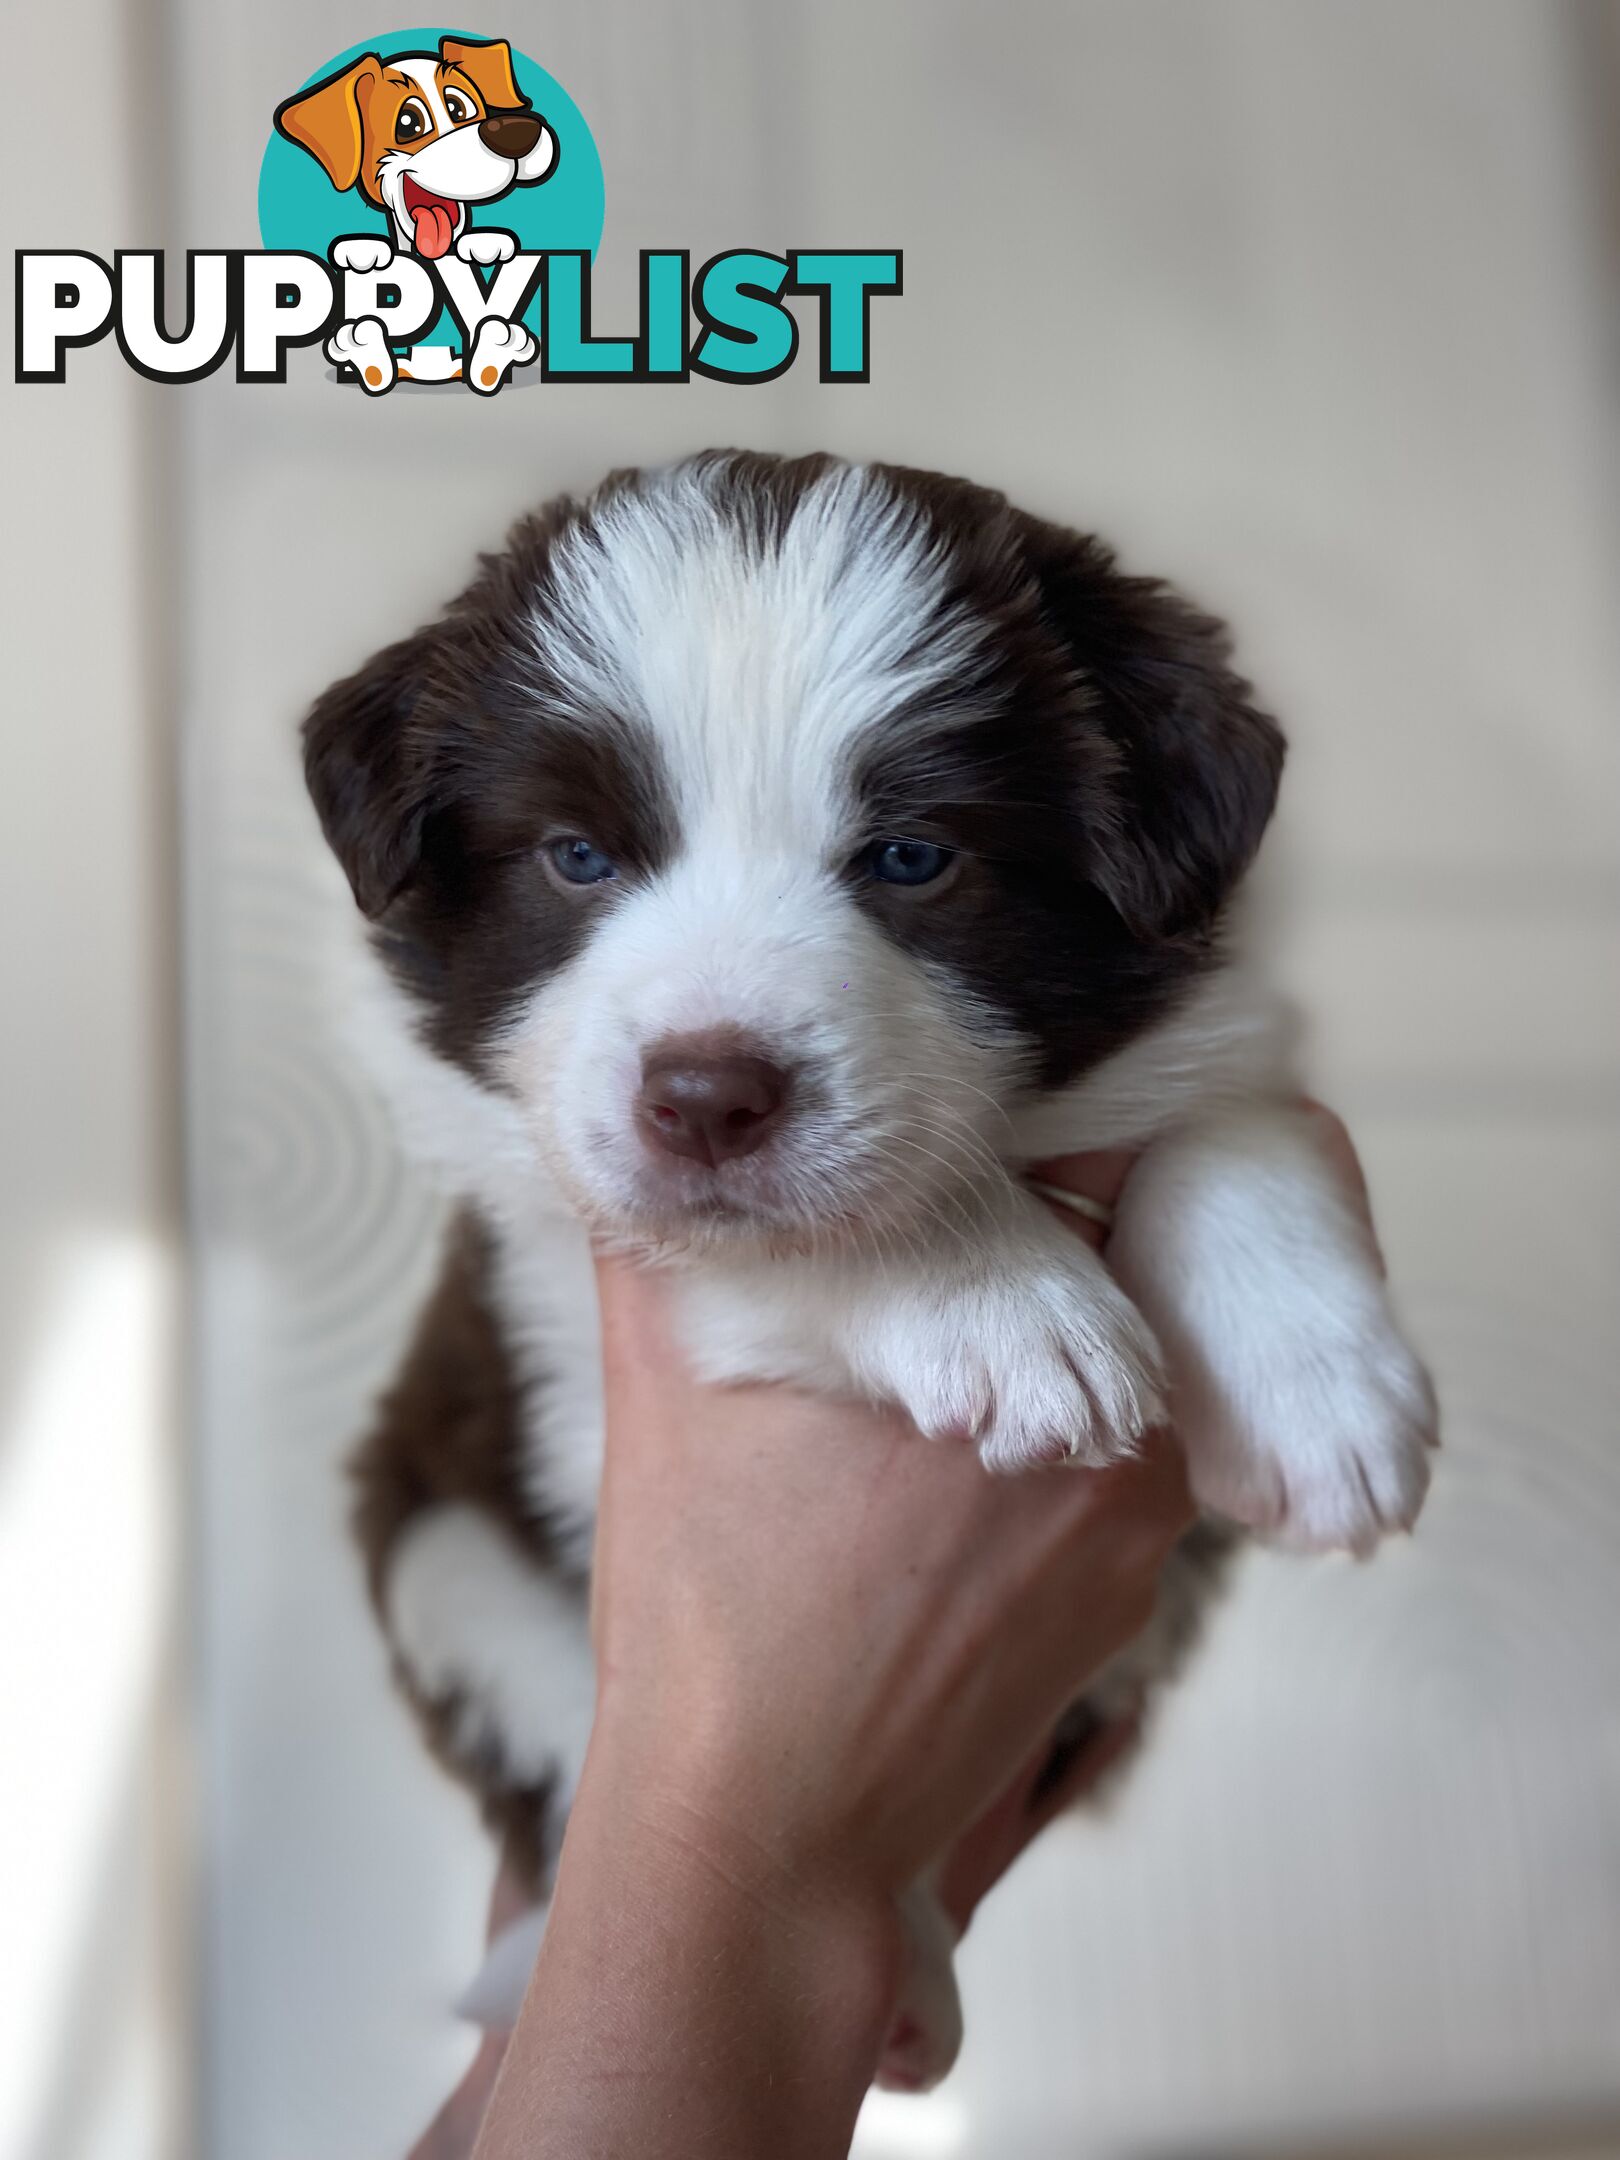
{"x": 1304, "y": 1411}
{"x": 1014, "y": 1336}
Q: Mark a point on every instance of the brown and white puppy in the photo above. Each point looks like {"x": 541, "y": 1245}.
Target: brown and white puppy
{"x": 767, "y": 860}
{"x": 422, "y": 136}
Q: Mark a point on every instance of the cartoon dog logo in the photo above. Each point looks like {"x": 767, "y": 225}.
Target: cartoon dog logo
{"x": 423, "y": 137}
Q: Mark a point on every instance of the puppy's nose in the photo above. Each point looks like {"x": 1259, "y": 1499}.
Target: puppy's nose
{"x": 708, "y": 1101}
{"x": 509, "y": 134}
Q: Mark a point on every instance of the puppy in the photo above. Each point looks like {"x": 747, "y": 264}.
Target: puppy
{"x": 422, "y": 136}
{"x": 766, "y": 861}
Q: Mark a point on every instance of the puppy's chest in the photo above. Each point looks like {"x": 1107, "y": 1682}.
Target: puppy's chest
{"x": 544, "y": 1291}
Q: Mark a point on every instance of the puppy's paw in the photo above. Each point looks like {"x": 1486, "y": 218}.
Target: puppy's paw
{"x": 1328, "y": 1448}
{"x": 494, "y": 1995}
{"x": 1044, "y": 1365}
{"x": 496, "y": 350}
{"x": 925, "y": 2033}
{"x": 366, "y": 252}
{"x": 921, "y": 2048}
{"x": 364, "y": 346}
{"x": 487, "y": 245}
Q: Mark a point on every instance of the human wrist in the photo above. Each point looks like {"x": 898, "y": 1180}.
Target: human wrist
{"x": 689, "y": 1827}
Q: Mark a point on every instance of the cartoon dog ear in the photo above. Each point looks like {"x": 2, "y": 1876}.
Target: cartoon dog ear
{"x": 328, "y": 120}
{"x": 369, "y": 770}
{"x": 1198, "y": 764}
{"x": 488, "y": 65}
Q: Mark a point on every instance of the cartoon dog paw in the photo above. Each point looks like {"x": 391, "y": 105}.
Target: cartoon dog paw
{"x": 363, "y": 251}
{"x": 498, "y": 348}
{"x": 363, "y": 346}
{"x": 488, "y": 246}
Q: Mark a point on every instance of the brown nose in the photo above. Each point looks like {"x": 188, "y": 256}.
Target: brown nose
{"x": 708, "y": 1103}
{"x": 509, "y": 134}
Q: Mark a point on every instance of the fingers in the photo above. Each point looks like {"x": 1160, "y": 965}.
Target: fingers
{"x": 1034, "y": 1799}
{"x": 1099, "y": 1178}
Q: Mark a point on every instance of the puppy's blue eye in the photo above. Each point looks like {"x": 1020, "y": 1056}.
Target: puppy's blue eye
{"x": 908, "y": 862}
{"x": 576, "y": 861}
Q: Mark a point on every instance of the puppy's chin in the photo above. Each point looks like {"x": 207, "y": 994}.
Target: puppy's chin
{"x": 763, "y": 1217}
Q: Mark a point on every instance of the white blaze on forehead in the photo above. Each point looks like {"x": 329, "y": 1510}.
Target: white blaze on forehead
{"x": 754, "y": 662}
{"x": 422, "y": 69}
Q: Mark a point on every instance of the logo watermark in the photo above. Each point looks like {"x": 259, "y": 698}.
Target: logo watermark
{"x": 431, "y": 206}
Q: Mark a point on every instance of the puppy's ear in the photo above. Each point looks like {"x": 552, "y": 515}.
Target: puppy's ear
{"x": 329, "y": 120}
{"x": 1197, "y": 764}
{"x": 488, "y": 66}
{"x": 370, "y": 773}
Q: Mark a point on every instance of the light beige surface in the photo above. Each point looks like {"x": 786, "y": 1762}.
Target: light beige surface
{"x": 1311, "y": 308}
{"x": 95, "y": 1913}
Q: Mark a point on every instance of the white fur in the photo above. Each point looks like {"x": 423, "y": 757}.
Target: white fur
{"x": 755, "y": 668}
{"x": 478, "y": 1625}
{"x": 494, "y": 1995}
{"x": 1305, "y": 1413}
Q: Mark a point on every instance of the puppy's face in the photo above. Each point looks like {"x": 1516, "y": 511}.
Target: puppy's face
{"x": 768, "y": 832}
{"x": 422, "y": 135}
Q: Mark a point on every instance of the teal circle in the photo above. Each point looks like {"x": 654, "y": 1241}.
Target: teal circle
{"x": 300, "y": 208}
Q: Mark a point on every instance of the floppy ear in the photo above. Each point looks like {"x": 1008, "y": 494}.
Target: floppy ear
{"x": 488, "y": 64}
{"x": 328, "y": 120}
{"x": 1198, "y": 764}
{"x": 370, "y": 773}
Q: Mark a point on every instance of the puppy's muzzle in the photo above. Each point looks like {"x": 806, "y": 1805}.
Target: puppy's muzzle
{"x": 509, "y": 134}
{"x": 708, "y": 1099}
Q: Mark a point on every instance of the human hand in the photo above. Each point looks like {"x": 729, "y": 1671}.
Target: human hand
{"x": 835, "y": 1652}
{"x": 1030, "y": 1796}
{"x": 829, "y": 1654}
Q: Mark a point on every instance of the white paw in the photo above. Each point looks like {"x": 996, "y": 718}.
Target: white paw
{"x": 496, "y": 350}
{"x": 925, "y": 2033}
{"x": 363, "y": 346}
{"x": 494, "y": 1995}
{"x": 1327, "y": 1448}
{"x": 1043, "y": 1365}
{"x": 487, "y": 246}
{"x": 363, "y": 251}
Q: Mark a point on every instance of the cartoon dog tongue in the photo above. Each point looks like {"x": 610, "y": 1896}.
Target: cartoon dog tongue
{"x": 435, "y": 228}
{"x": 433, "y": 219}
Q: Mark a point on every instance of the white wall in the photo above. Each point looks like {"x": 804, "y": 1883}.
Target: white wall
{"x": 94, "y": 1899}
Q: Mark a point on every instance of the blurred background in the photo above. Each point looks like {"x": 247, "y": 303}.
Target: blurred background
{"x": 1312, "y": 307}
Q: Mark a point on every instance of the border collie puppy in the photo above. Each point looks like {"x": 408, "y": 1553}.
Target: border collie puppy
{"x": 766, "y": 861}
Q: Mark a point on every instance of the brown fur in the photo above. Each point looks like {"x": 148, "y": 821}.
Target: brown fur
{"x": 348, "y": 121}
{"x": 448, "y": 1431}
